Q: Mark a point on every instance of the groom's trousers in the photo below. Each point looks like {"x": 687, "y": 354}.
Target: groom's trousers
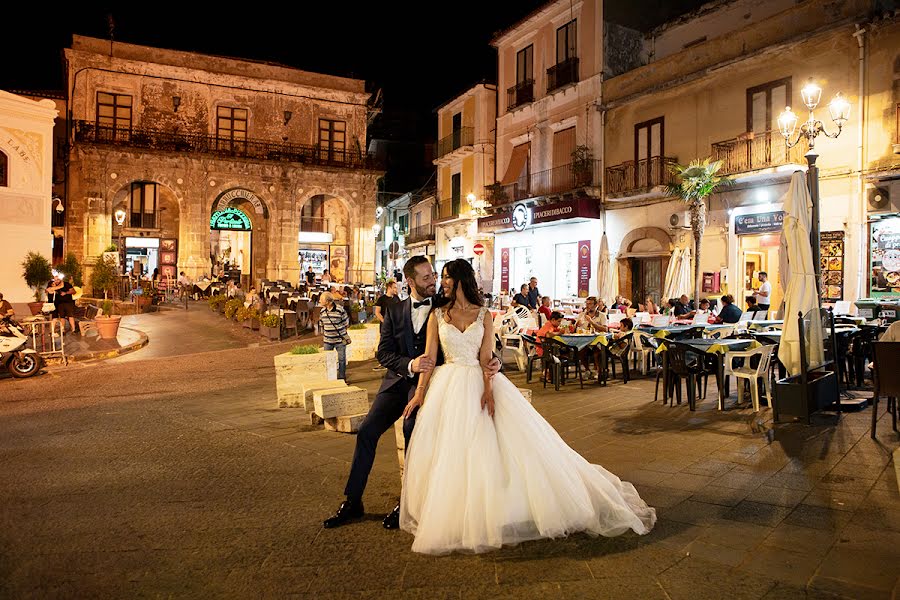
{"x": 387, "y": 408}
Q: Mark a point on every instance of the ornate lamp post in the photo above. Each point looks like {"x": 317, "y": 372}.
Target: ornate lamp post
{"x": 478, "y": 205}
{"x": 839, "y": 109}
{"x": 120, "y": 219}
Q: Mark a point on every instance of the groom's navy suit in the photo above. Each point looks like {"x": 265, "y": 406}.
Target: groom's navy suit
{"x": 399, "y": 344}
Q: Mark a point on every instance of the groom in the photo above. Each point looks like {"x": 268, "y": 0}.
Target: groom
{"x": 401, "y": 351}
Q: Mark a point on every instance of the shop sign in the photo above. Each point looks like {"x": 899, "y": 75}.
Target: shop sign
{"x": 504, "y": 269}
{"x": 478, "y": 249}
{"x": 584, "y": 268}
{"x": 759, "y": 223}
{"x": 885, "y": 257}
{"x": 522, "y": 216}
{"x": 831, "y": 252}
{"x": 230, "y": 218}
{"x": 239, "y": 194}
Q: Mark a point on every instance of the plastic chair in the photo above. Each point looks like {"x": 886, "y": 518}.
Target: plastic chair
{"x": 642, "y": 349}
{"x": 753, "y": 375}
{"x": 684, "y": 363}
{"x": 886, "y": 372}
{"x": 289, "y": 322}
{"x": 531, "y": 345}
{"x": 619, "y": 350}
{"x": 315, "y": 316}
{"x": 719, "y": 334}
{"x": 562, "y": 358}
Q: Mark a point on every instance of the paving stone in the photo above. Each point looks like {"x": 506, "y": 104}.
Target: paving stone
{"x": 686, "y": 481}
{"x": 699, "y": 513}
{"x": 815, "y": 542}
{"x": 698, "y": 579}
{"x": 758, "y": 513}
{"x": 818, "y": 517}
{"x": 614, "y": 588}
{"x": 822, "y": 584}
{"x": 734, "y": 534}
{"x": 784, "y": 565}
{"x": 777, "y": 496}
{"x": 846, "y": 501}
{"x": 714, "y": 494}
{"x": 722, "y": 555}
{"x": 541, "y": 569}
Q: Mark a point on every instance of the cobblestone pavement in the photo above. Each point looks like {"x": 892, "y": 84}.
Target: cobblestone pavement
{"x": 178, "y": 477}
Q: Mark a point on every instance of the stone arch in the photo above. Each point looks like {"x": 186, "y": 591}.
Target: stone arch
{"x": 257, "y": 209}
{"x": 631, "y": 243}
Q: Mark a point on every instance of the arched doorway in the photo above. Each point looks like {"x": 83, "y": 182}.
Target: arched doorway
{"x": 324, "y": 237}
{"x": 643, "y": 259}
{"x": 145, "y": 226}
{"x": 238, "y": 236}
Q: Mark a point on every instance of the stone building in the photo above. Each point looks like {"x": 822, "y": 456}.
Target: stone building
{"x": 188, "y": 160}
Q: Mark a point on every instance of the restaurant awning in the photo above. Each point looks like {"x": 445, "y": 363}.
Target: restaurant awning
{"x": 517, "y": 163}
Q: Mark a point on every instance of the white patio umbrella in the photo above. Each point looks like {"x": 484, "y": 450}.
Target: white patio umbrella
{"x": 800, "y": 294}
{"x": 607, "y": 274}
{"x": 671, "y": 270}
{"x": 683, "y": 276}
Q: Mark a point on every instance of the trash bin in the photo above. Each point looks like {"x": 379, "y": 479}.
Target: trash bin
{"x": 868, "y": 308}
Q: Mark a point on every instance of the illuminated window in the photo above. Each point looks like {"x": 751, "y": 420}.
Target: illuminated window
{"x": 114, "y": 114}
{"x": 231, "y": 128}
{"x": 144, "y": 201}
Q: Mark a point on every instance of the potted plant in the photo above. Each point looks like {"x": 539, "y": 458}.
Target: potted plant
{"x": 217, "y": 302}
{"x": 582, "y": 165}
{"x": 302, "y": 370}
{"x": 248, "y": 317}
{"x": 354, "y": 312}
{"x": 71, "y": 268}
{"x": 104, "y": 277}
{"x": 107, "y": 323}
{"x": 37, "y": 273}
{"x": 270, "y": 327}
{"x": 496, "y": 193}
{"x": 231, "y": 308}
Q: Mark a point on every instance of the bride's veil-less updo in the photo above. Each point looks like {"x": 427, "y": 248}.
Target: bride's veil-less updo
{"x": 463, "y": 276}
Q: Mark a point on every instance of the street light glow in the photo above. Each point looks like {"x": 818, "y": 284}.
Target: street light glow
{"x": 839, "y": 108}
{"x": 811, "y": 94}
{"x": 787, "y": 122}
{"x": 120, "y": 216}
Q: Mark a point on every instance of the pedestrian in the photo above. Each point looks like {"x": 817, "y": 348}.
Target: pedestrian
{"x": 534, "y": 296}
{"x": 60, "y": 292}
{"x": 6, "y": 309}
{"x": 335, "y": 322}
{"x": 387, "y": 299}
{"x": 521, "y": 299}
{"x": 310, "y": 276}
{"x": 763, "y": 293}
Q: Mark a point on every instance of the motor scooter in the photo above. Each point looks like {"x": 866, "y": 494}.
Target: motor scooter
{"x": 18, "y": 360}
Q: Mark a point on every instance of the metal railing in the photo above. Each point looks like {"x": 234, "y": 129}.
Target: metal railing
{"x": 90, "y": 132}
{"x": 422, "y": 233}
{"x": 755, "y": 151}
{"x": 640, "y": 176}
{"x": 447, "y": 208}
{"x": 459, "y": 138}
{"x": 562, "y": 73}
{"x": 314, "y": 224}
{"x": 519, "y": 94}
{"x": 559, "y": 180}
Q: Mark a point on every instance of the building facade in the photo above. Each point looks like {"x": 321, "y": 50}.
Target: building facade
{"x": 26, "y": 187}
{"x": 188, "y": 161}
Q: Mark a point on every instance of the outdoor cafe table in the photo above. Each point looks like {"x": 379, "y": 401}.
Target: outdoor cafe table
{"x": 758, "y": 324}
{"x": 580, "y": 342}
{"x": 775, "y": 336}
{"x": 717, "y": 349}
{"x": 673, "y": 331}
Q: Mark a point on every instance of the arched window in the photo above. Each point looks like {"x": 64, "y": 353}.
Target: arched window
{"x": 4, "y": 170}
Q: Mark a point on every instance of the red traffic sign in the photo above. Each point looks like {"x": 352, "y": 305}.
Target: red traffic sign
{"x": 478, "y": 249}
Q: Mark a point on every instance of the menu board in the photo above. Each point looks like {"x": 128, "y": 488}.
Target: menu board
{"x": 584, "y": 268}
{"x": 885, "y": 257}
{"x": 831, "y": 252}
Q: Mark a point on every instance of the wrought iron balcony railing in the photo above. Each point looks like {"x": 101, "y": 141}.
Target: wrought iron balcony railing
{"x": 755, "y": 151}
{"x": 423, "y": 233}
{"x": 90, "y": 132}
{"x": 448, "y": 208}
{"x": 559, "y": 180}
{"x": 519, "y": 94}
{"x": 464, "y": 136}
{"x": 314, "y": 224}
{"x": 562, "y": 74}
{"x": 630, "y": 177}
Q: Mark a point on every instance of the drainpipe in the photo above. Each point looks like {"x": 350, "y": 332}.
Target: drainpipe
{"x": 861, "y": 224}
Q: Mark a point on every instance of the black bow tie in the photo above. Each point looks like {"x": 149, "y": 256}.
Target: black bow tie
{"x": 425, "y": 302}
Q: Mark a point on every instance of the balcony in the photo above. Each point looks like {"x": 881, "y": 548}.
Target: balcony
{"x": 448, "y": 208}
{"x": 630, "y": 178}
{"x": 755, "y": 151}
{"x": 423, "y": 233}
{"x": 460, "y": 138}
{"x": 314, "y": 224}
{"x": 556, "y": 181}
{"x": 167, "y": 141}
{"x": 519, "y": 94}
{"x": 562, "y": 74}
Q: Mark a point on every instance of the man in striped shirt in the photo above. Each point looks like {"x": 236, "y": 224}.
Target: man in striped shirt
{"x": 334, "y": 327}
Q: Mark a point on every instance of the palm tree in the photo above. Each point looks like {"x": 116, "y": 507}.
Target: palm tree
{"x": 697, "y": 181}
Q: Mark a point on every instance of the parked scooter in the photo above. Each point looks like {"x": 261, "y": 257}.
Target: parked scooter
{"x": 18, "y": 360}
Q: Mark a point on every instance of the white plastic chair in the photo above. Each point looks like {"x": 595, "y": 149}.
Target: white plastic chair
{"x": 746, "y": 316}
{"x": 641, "y": 350}
{"x": 760, "y": 315}
{"x": 615, "y": 317}
{"x": 719, "y": 333}
{"x": 641, "y": 317}
{"x": 752, "y": 375}
{"x": 842, "y": 307}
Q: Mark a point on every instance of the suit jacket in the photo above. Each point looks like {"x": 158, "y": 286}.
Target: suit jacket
{"x": 397, "y": 344}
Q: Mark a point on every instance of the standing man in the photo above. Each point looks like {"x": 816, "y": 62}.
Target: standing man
{"x": 389, "y": 298}
{"x": 534, "y": 296}
{"x": 310, "y": 276}
{"x": 763, "y": 293}
{"x": 62, "y": 292}
{"x": 401, "y": 351}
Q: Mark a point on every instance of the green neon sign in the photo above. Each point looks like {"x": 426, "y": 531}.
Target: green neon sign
{"x": 230, "y": 218}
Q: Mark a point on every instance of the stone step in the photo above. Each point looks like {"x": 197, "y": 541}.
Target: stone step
{"x": 311, "y": 387}
{"x": 299, "y": 393}
{"x": 345, "y": 424}
{"x": 340, "y": 402}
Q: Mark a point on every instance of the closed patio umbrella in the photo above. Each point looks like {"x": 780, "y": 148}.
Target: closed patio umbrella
{"x": 800, "y": 294}
{"x": 671, "y": 270}
{"x": 607, "y": 273}
{"x": 683, "y": 276}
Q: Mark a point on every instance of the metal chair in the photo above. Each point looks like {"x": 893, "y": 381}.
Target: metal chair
{"x": 289, "y": 322}
{"x": 886, "y": 372}
{"x": 753, "y": 375}
{"x": 531, "y": 345}
{"x": 315, "y": 316}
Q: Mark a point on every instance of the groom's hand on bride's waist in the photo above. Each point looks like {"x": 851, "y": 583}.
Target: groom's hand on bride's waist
{"x": 492, "y": 367}
{"x": 421, "y": 364}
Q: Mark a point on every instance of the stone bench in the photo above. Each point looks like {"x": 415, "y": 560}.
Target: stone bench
{"x": 345, "y": 424}
{"x": 340, "y": 402}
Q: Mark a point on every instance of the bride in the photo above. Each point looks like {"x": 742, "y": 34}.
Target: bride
{"x": 483, "y": 468}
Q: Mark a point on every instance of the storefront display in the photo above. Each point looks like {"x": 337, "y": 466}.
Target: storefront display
{"x": 831, "y": 244}
{"x": 313, "y": 257}
{"x": 885, "y": 257}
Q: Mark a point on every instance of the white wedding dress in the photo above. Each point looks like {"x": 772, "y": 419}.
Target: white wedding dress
{"x": 475, "y": 483}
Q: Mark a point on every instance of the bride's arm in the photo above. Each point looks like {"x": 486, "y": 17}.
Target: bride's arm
{"x": 486, "y": 356}
{"x": 431, "y": 351}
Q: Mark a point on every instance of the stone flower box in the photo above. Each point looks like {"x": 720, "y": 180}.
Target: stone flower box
{"x": 365, "y": 343}
{"x": 294, "y": 371}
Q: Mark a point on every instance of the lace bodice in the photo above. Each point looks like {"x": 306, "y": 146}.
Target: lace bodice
{"x": 461, "y": 347}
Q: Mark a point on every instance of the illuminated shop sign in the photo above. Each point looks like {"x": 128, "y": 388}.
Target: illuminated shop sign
{"x": 229, "y": 218}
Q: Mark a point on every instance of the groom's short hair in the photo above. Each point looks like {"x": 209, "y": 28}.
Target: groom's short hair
{"x": 409, "y": 269}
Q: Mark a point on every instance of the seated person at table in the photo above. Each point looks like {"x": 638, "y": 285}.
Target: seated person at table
{"x": 549, "y": 329}
{"x": 649, "y": 306}
{"x": 521, "y": 299}
{"x": 545, "y": 307}
{"x": 752, "y": 306}
{"x": 590, "y": 318}
{"x": 670, "y": 306}
{"x": 891, "y": 335}
{"x": 682, "y": 307}
{"x": 703, "y": 310}
{"x": 626, "y": 326}
{"x": 601, "y": 306}
{"x": 239, "y": 293}
{"x": 253, "y": 300}
{"x": 729, "y": 313}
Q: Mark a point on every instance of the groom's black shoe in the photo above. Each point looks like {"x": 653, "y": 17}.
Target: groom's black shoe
{"x": 392, "y": 521}
{"x": 348, "y": 511}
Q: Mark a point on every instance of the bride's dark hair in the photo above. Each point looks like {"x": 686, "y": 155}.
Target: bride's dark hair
{"x": 463, "y": 276}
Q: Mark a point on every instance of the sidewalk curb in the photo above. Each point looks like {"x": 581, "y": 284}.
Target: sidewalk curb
{"x": 105, "y": 354}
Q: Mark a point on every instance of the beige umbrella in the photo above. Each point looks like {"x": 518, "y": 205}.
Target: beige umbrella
{"x": 800, "y": 294}
{"x": 671, "y": 277}
{"x": 607, "y": 274}
{"x": 683, "y": 276}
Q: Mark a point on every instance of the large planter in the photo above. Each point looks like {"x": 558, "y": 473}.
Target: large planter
{"x": 294, "y": 372}
{"x": 108, "y": 327}
{"x": 251, "y": 324}
{"x": 791, "y": 399}
{"x": 272, "y": 333}
{"x": 365, "y": 343}
{"x": 35, "y": 307}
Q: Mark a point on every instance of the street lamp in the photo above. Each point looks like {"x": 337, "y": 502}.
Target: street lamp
{"x": 477, "y": 204}
{"x": 839, "y": 109}
{"x": 120, "y": 219}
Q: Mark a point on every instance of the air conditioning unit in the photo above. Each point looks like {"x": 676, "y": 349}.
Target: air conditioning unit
{"x": 880, "y": 199}
{"x": 680, "y": 220}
